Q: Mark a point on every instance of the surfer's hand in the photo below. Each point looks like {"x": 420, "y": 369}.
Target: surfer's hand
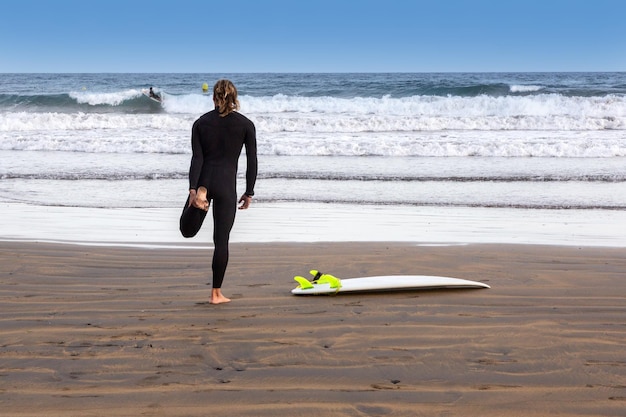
{"x": 245, "y": 201}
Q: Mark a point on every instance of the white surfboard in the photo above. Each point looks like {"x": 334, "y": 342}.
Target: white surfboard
{"x": 156, "y": 100}
{"x": 328, "y": 284}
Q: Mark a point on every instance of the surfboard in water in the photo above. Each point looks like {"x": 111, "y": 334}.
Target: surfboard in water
{"x": 158, "y": 99}
{"x": 328, "y": 284}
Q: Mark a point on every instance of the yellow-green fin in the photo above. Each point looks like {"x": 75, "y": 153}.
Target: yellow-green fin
{"x": 316, "y": 274}
{"x": 332, "y": 280}
{"x": 305, "y": 284}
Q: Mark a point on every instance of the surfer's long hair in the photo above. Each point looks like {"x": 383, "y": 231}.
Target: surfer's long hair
{"x": 225, "y": 97}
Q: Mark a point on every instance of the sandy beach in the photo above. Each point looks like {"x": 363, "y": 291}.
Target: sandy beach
{"x": 118, "y": 331}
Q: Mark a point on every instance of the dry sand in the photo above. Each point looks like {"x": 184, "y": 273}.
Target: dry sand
{"x": 91, "y": 331}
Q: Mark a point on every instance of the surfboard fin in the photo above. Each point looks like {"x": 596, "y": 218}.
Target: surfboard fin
{"x": 316, "y": 274}
{"x": 333, "y": 281}
{"x": 320, "y": 278}
{"x": 304, "y": 283}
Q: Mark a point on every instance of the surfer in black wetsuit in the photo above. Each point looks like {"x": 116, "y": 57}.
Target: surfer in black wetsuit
{"x": 154, "y": 95}
{"x": 217, "y": 140}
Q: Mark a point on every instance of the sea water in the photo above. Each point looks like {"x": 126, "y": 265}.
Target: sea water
{"x": 521, "y": 142}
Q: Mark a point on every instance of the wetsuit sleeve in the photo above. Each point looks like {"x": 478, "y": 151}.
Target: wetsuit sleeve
{"x": 197, "y": 158}
{"x": 252, "y": 163}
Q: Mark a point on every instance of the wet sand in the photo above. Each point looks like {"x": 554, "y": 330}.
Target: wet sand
{"x": 118, "y": 331}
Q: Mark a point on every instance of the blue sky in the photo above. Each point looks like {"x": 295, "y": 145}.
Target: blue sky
{"x": 312, "y": 36}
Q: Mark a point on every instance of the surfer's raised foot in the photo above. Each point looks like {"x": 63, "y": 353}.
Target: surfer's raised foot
{"x": 201, "y": 201}
{"x": 217, "y": 297}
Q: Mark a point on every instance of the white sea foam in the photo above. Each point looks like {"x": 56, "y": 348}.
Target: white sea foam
{"x": 149, "y": 137}
{"x": 540, "y": 125}
{"x": 543, "y": 105}
{"x": 49, "y": 122}
{"x": 112, "y": 99}
{"x": 525, "y": 88}
{"x": 196, "y": 104}
{"x": 336, "y": 115}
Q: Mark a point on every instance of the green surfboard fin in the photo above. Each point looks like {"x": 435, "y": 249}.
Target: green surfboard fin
{"x": 304, "y": 283}
{"x": 321, "y": 278}
{"x": 316, "y": 274}
{"x": 333, "y": 281}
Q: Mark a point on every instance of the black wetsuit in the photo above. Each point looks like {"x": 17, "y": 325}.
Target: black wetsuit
{"x": 216, "y": 143}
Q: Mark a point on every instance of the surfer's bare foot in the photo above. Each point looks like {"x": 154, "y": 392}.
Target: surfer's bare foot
{"x": 201, "y": 201}
{"x": 217, "y": 297}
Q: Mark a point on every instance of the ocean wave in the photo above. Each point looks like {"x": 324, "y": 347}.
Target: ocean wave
{"x": 334, "y": 115}
{"x": 110, "y": 99}
{"x": 54, "y": 121}
{"x": 125, "y": 101}
{"x": 455, "y": 144}
{"x": 579, "y": 144}
{"x": 319, "y": 123}
{"x": 134, "y": 102}
{"x": 544, "y": 105}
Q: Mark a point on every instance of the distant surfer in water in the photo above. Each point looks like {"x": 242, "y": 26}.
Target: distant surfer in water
{"x": 154, "y": 95}
{"x": 217, "y": 139}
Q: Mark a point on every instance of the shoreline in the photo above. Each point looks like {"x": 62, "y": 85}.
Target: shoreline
{"x": 296, "y": 222}
{"x": 128, "y": 331}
